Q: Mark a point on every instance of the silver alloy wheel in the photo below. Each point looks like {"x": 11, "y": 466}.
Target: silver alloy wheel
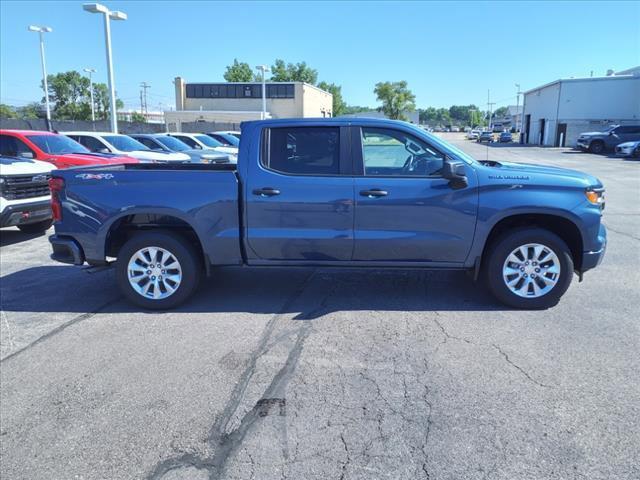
{"x": 531, "y": 270}
{"x": 154, "y": 273}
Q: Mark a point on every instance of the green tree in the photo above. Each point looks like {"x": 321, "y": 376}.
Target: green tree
{"x": 239, "y": 72}
{"x": 339, "y": 105}
{"x": 69, "y": 92}
{"x": 500, "y": 112}
{"x": 137, "y": 117}
{"x": 353, "y": 109}
{"x": 7, "y": 111}
{"x": 32, "y": 110}
{"x": 101, "y": 98}
{"x": 396, "y": 98}
{"x": 293, "y": 72}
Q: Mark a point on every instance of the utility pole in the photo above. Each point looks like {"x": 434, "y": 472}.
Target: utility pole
{"x": 144, "y": 86}
{"x": 141, "y": 103}
{"x": 518, "y": 92}
{"x": 490, "y": 105}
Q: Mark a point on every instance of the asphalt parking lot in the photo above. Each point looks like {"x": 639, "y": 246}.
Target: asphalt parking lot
{"x": 316, "y": 374}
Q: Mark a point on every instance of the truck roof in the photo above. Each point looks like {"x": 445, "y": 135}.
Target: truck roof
{"x": 333, "y": 120}
{"x": 27, "y": 132}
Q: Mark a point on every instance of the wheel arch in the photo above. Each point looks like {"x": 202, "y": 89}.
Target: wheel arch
{"x": 563, "y": 227}
{"x": 122, "y": 228}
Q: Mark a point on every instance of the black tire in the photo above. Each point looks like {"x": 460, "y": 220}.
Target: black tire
{"x": 596, "y": 147}
{"x": 37, "y": 227}
{"x": 189, "y": 259}
{"x": 499, "y": 251}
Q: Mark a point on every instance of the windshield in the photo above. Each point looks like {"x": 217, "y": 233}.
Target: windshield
{"x": 228, "y": 139}
{"x": 208, "y": 141}
{"x": 443, "y": 146}
{"x": 57, "y": 144}
{"x": 124, "y": 143}
{"x": 173, "y": 143}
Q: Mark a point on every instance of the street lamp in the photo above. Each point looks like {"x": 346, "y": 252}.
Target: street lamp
{"x": 91, "y": 71}
{"x": 41, "y": 30}
{"x": 99, "y": 8}
{"x": 518, "y": 92}
{"x": 263, "y": 69}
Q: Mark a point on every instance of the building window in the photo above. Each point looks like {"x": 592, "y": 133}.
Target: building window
{"x": 227, "y": 90}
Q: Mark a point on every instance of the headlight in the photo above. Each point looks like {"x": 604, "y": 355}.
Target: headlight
{"x": 595, "y": 196}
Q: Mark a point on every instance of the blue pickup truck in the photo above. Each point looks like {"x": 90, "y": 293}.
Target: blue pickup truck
{"x": 350, "y": 192}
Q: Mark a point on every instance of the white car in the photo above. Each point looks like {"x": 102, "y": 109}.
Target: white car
{"x": 25, "y": 199}
{"x": 473, "y": 134}
{"x": 201, "y": 141}
{"x": 628, "y": 149}
{"x": 107, "y": 142}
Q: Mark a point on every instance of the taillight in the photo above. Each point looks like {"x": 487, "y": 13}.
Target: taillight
{"x": 56, "y": 185}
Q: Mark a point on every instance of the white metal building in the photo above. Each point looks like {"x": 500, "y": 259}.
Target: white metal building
{"x": 556, "y": 113}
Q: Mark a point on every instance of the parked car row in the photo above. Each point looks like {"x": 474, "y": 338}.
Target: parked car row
{"x": 102, "y": 148}
{"x": 624, "y": 140}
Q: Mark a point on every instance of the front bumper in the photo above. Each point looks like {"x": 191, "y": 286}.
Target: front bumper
{"x": 582, "y": 144}
{"x": 594, "y": 258}
{"x": 66, "y": 250}
{"x": 624, "y": 152}
{"x": 25, "y": 213}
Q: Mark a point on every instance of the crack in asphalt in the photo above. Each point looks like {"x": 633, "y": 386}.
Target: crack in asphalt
{"x": 61, "y": 328}
{"x": 625, "y": 234}
{"x": 227, "y": 444}
{"x": 447, "y": 336}
{"x": 520, "y": 369}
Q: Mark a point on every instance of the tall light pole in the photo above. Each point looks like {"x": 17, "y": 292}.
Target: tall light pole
{"x": 41, "y": 30}
{"x": 263, "y": 69}
{"x": 91, "y": 71}
{"x": 518, "y": 92}
{"x": 113, "y": 15}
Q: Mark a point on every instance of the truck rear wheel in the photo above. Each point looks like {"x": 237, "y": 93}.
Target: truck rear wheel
{"x": 157, "y": 270}
{"x": 529, "y": 268}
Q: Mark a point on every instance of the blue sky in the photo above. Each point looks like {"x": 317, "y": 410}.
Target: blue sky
{"x": 449, "y": 52}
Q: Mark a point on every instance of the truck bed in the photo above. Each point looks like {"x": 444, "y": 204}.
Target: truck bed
{"x": 201, "y": 197}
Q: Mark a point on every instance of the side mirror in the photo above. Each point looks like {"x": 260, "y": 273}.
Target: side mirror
{"x": 455, "y": 172}
{"x": 103, "y": 150}
{"x": 25, "y": 155}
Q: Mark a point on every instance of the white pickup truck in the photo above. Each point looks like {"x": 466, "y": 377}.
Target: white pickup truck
{"x": 24, "y": 194}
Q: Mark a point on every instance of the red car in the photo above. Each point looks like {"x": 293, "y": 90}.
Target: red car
{"x": 53, "y": 148}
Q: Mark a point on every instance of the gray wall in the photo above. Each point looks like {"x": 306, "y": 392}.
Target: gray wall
{"x": 201, "y": 127}
{"x": 80, "y": 125}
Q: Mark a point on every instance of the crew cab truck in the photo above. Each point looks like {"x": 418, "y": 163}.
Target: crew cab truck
{"x": 351, "y": 192}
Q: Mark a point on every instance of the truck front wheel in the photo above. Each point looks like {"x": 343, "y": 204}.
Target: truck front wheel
{"x": 157, "y": 270}
{"x": 529, "y": 268}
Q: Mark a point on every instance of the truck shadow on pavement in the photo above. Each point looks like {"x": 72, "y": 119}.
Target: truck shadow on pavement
{"x": 11, "y": 237}
{"x": 256, "y": 290}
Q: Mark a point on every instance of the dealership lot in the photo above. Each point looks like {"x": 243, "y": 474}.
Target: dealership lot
{"x": 324, "y": 373}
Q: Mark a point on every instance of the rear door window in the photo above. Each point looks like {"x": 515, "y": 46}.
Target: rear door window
{"x": 303, "y": 150}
